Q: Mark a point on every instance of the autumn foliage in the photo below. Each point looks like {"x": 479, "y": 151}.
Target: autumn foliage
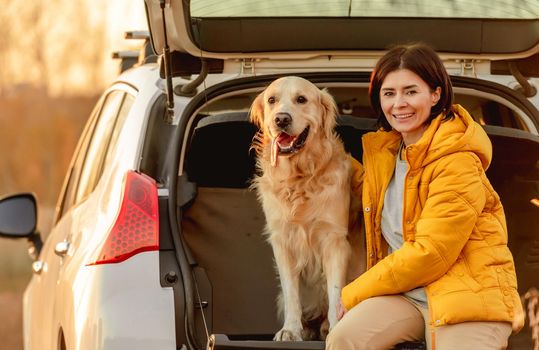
{"x": 38, "y": 135}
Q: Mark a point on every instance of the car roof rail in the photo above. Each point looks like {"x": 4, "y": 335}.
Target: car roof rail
{"x": 147, "y": 54}
{"x": 131, "y": 58}
{"x": 128, "y": 59}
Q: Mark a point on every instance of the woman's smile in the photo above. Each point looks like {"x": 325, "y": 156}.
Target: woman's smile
{"x": 403, "y": 116}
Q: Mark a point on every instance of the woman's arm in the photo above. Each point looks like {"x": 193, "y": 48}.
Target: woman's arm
{"x": 455, "y": 199}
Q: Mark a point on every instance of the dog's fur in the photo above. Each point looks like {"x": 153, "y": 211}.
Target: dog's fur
{"x": 305, "y": 194}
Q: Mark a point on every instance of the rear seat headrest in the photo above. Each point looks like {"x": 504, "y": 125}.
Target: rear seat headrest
{"x": 219, "y": 155}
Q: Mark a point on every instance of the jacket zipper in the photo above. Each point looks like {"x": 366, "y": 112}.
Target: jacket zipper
{"x": 371, "y": 254}
{"x": 405, "y": 234}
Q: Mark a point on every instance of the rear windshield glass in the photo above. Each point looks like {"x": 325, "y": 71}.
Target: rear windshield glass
{"x": 500, "y": 9}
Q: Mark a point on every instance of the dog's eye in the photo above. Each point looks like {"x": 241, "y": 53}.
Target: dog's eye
{"x": 301, "y": 99}
{"x": 271, "y": 100}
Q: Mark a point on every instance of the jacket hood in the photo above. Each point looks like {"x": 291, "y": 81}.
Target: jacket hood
{"x": 441, "y": 138}
{"x": 446, "y": 137}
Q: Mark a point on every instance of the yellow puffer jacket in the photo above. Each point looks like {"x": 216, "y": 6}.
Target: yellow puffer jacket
{"x": 455, "y": 235}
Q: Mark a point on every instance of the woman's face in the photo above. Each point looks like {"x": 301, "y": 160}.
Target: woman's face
{"x": 406, "y": 101}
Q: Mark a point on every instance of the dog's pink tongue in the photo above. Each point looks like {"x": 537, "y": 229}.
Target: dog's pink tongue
{"x": 284, "y": 140}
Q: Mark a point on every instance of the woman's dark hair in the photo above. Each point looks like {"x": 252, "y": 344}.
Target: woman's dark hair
{"x": 423, "y": 61}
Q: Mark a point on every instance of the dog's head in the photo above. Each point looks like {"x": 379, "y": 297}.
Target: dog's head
{"x": 290, "y": 113}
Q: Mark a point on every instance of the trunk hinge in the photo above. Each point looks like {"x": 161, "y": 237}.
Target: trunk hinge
{"x": 525, "y": 87}
{"x": 247, "y": 66}
{"x": 467, "y": 67}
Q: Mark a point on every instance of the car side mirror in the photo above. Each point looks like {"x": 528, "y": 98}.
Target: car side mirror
{"x": 18, "y": 215}
{"x": 18, "y": 219}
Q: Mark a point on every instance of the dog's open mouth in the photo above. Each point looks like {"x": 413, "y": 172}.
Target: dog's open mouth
{"x": 286, "y": 144}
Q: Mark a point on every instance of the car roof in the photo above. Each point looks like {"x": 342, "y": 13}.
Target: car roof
{"x": 287, "y": 28}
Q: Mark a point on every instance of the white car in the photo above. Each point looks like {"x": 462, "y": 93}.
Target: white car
{"x": 156, "y": 242}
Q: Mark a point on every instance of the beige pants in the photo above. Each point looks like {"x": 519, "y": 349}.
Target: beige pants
{"x": 382, "y": 322}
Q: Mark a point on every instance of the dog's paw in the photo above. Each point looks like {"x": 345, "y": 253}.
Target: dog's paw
{"x": 309, "y": 334}
{"x": 324, "y": 329}
{"x": 288, "y": 335}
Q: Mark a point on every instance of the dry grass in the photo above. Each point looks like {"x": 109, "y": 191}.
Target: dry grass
{"x": 14, "y": 275}
{"x": 11, "y": 316}
{"x": 38, "y": 135}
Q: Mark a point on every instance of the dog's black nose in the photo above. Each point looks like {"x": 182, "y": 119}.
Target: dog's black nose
{"x": 283, "y": 120}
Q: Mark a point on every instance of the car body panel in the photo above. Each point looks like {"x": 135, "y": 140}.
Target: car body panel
{"x": 121, "y": 306}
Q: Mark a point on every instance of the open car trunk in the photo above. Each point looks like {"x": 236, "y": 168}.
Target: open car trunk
{"x": 222, "y": 223}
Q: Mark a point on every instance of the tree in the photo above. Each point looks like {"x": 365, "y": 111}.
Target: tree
{"x": 53, "y": 44}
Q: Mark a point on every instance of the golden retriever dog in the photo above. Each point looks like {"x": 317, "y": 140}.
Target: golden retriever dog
{"x": 303, "y": 184}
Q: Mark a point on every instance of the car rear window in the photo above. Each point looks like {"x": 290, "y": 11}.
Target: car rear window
{"x": 494, "y": 9}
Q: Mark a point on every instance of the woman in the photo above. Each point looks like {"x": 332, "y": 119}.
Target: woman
{"x": 439, "y": 268}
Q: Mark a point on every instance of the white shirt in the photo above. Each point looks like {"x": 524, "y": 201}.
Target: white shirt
{"x": 392, "y": 221}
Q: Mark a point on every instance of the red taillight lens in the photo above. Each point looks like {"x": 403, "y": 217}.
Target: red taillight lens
{"x": 137, "y": 226}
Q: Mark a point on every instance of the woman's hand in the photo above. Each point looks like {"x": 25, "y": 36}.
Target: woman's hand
{"x": 341, "y": 310}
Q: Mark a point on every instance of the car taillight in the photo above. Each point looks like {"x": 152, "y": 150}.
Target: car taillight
{"x": 136, "y": 228}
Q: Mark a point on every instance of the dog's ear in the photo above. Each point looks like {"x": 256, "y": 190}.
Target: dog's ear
{"x": 256, "y": 113}
{"x": 329, "y": 117}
